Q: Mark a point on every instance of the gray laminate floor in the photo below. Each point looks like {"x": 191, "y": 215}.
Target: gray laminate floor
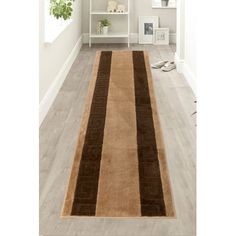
{"x": 58, "y": 136}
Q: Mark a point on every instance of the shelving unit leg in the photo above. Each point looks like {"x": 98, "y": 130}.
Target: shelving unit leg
{"x": 90, "y": 23}
{"x": 128, "y": 23}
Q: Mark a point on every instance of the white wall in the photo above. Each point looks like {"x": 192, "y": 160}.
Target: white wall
{"x": 190, "y": 36}
{"x": 186, "y": 44}
{"x": 56, "y": 58}
{"x": 138, "y": 8}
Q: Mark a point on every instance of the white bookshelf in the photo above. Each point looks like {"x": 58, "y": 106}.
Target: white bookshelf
{"x": 98, "y": 10}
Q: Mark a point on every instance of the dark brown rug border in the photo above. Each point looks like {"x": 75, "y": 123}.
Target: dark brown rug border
{"x": 150, "y": 183}
{"x": 85, "y": 196}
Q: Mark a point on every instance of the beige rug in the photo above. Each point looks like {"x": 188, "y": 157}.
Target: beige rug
{"x": 120, "y": 168}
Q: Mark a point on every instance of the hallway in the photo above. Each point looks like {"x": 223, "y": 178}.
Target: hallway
{"x": 58, "y": 137}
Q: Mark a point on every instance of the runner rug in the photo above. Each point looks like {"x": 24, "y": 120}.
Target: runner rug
{"x": 120, "y": 168}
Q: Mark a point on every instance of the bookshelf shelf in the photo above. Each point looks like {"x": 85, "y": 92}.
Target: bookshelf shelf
{"x": 164, "y": 7}
{"x": 107, "y": 13}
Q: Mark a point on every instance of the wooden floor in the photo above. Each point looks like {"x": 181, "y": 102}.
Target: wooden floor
{"x": 58, "y": 137}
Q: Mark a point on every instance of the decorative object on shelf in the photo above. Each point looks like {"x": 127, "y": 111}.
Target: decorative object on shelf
{"x": 121, "y": 8}
{"x": 172, "y": 3}
{"x": 164, "y": 3}
{"x": 147, "y": 24}
{"x": 105, "y": 23}
{"x": 112, "y": 6}
{"x": 61, "y": 8}
{"x": 161, "y": 36}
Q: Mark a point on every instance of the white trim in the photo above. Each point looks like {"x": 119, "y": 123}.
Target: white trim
{"x": 134, "y": 38}
{"x": 190, "y": 77}
{"x": 184, "y": 69}
{"x": 52, "y": 92}
{"x": 172, "y": 38}
{"x": 179, "y": 63}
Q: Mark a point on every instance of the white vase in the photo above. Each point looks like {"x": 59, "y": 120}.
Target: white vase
{"x": 164, "y": 3}
{"x": 105, "y": 30}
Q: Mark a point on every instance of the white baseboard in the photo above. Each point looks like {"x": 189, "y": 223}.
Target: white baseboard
{"x": 52, "y": 92}
{"x": 179, "y": 63}
{"x": 133, "y": 39}
{"x": 184, "y": 69}
{"x": 190, "y": 77}
{"x": 172, "y": 38}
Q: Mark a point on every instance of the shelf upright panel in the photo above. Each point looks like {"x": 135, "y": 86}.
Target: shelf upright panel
{"x": 90, "y": 23}
{"x": 128, "y": 23}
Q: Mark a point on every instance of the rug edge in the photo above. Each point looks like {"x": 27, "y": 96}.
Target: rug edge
{"x": 166, "y": 181}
